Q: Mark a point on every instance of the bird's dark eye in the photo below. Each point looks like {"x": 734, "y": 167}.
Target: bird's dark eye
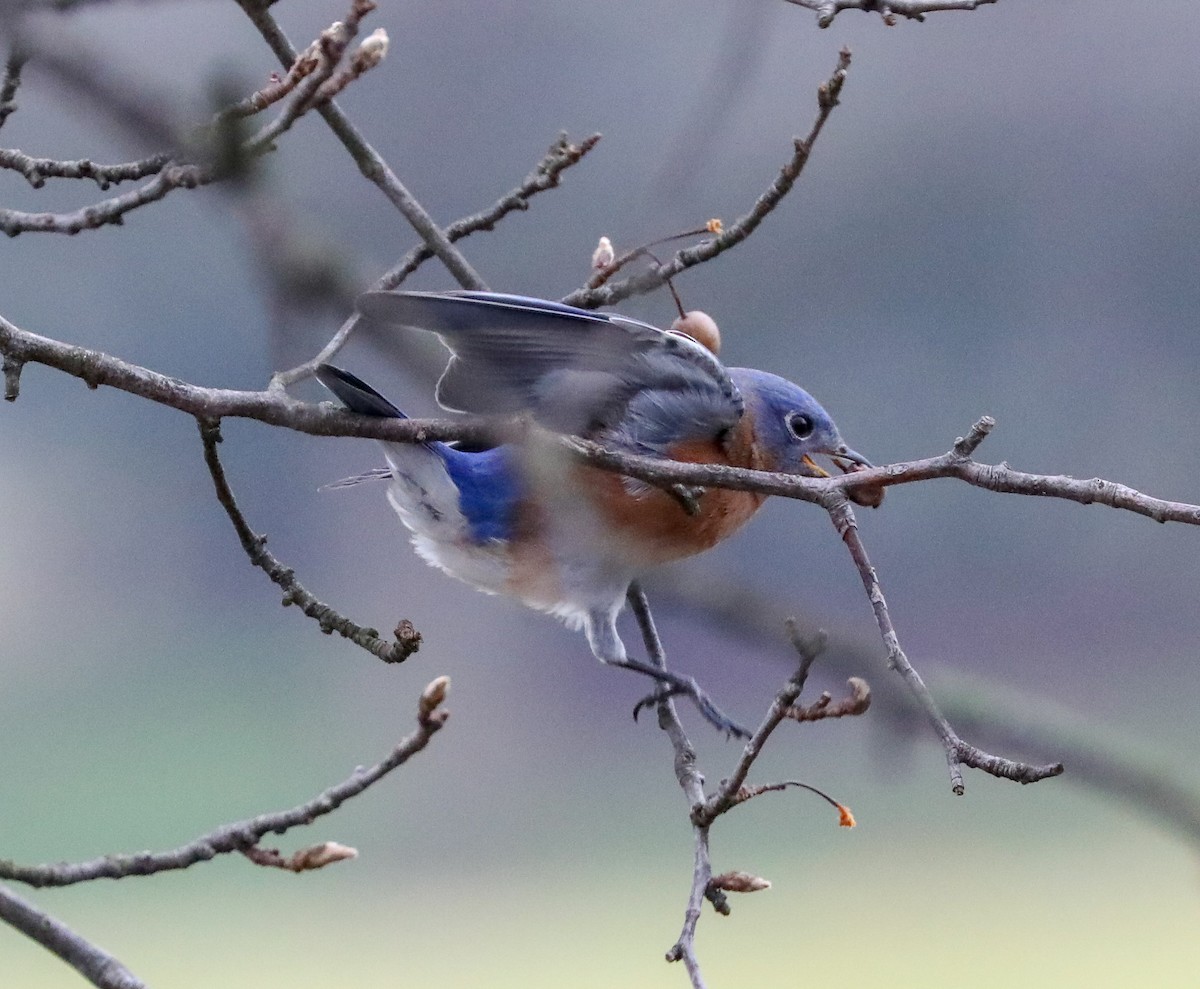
{"x": 801, "y": 425}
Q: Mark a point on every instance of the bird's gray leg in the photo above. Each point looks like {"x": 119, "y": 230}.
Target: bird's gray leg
{"x": 607, "y": 647}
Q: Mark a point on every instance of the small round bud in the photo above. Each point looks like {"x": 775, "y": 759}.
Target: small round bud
{"x": 701, "y": 327}
{"x": 372, "y": 50}
{"x": 603, "y": 255}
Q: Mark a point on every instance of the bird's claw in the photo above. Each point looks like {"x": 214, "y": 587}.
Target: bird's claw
{"x": 685, "y": 686}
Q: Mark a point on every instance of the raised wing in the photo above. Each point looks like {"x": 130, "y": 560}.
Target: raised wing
{"x": 578, "y": 371}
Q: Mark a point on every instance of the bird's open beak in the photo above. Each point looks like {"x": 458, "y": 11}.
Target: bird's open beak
{"x": 816, "y": 469}
{"x": 846, "y": 459}
{"x": 856, "y": 459}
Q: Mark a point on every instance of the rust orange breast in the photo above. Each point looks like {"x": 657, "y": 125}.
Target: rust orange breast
{"x": 656, "y": 525}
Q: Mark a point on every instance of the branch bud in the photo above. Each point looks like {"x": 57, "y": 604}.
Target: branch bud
{"x": 319, "y": 856}
{"x": 432, "y": 697}
{"x": 739, "y": 882}
{"x": 372, "y": 50}
{"x": 603, "y": 255}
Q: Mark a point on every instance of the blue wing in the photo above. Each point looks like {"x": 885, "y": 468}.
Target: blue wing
{"x": 588, "y": 373}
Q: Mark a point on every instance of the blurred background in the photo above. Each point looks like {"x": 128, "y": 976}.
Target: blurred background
{"x": 1001, "y": 218}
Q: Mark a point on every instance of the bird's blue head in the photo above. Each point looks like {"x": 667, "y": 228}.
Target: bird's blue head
{"x": 790, "y": 426}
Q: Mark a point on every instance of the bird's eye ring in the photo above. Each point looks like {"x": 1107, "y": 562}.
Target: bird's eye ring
{"x": 801, "y": 425}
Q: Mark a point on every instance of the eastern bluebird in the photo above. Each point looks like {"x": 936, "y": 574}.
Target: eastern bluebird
{"x": 561, "y": 536}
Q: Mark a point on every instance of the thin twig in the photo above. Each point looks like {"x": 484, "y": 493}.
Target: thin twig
{"x": 240, "y": 835}
{"x": 369, "y": 161}
{"x": 705, "y": 810}
{"x": 808, "y": 649}
{"x": 916, "y": 10}
{"x": 37, "y": 170}
{"x": 691, "y": 782}
{"x": 93, "y": 963}
{"x": 171, "y": 171}
{"x": 856, "y": 702}
{"x": 407, "y": 640}
{"x": 169, "y": 178}
{"x": 545, "y": 175}
{"x": 606, "y": 295}
{"x": 958, "y": 752}
{"x": 606, "y": 271}
{"x": 1113, "y": 767}
{"x": 11, "y": 82}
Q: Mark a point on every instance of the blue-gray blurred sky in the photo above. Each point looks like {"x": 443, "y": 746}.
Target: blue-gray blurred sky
{"x": 1002, "y": 218}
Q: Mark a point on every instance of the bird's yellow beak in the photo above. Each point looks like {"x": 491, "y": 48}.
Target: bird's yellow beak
{"x": 812, "y": 465}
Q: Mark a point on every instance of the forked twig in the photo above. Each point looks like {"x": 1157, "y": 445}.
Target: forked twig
{"x": 241, "y": 835}
{"x": 828, "y": 94}
{"x": 545, "y": 175}
{"x": 407, "y": 640}
{"x": 704, "y": 810}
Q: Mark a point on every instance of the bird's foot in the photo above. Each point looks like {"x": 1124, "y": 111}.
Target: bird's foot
{"x": 677, "y": 685}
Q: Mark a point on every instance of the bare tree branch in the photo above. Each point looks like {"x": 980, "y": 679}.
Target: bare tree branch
{"x": 958, "y": 752}
{"x": 93, "y": 963}
{"x": 546, "y": 175}
{"x": 37, "y": 170}
{"x": 369, "y": 161}
{"x": 315, "y": 68}
{"x": 407, "y": 640}
{"x": 241, "y": 835}
{"x": 705, "y": 810}
{"x": 169, "y": 178}
{"x": 916, "y": 10}
{"x": 725, "y": 797}
{"x": 11, "y": 81}
{"x": 1113, "y": 767}
{"x": 606, "y": 295}
{"x": 956, "y": 463}
{"x": 20, "y": 347}
{"x": 691, "y": 782}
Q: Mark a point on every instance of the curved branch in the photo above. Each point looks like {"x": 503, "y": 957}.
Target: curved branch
{"x": 958, "y": 752}
{"x": 37, "y": 170}
{"x": 408, "y": 639}
{"x": 545, "y": 175}
{"x": 11, "y": 82}
{"x": 169, "y": 178}
{"x": 606, "y": 295}
{"x": 242, "y": 835}
{"x": 93, "y": 963}
{"x": 369, "y": 161}
{"x": 315, "y": 68}
{"x": 915, "y": 10}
